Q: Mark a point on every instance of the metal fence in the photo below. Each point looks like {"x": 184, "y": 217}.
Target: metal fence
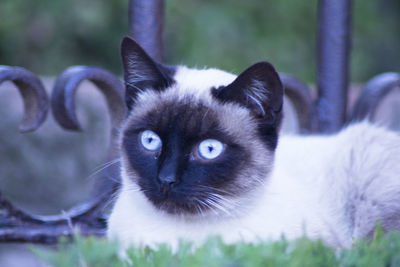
{"x": 327, "y": 113}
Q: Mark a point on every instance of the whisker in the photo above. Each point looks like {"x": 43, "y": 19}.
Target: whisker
{"x": 212, "y": 201}
{"x": 103, "y": 167}
{"x": 218, "y": 206}
{"x": 210, "y": 206}
{"x": 107, "y": 163}
{"x": 212, "y": 189}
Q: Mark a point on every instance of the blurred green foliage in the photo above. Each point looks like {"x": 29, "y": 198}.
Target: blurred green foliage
{"x": 383, "y": 250}
{"x": 46, "y": 36}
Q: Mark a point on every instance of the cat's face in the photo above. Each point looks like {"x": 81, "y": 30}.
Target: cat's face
{"x": 197, "y": 141}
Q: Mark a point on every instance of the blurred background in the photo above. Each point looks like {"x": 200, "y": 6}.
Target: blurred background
{"x": 46, "y": 36}
{"x": 51, "y": 169}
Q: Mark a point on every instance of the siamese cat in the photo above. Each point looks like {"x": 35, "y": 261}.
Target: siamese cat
{"x": 201, "y": 156}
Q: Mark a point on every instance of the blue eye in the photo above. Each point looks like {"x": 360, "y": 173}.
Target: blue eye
{"x": 150, "y": 140}
{"x": 210, "y": 149}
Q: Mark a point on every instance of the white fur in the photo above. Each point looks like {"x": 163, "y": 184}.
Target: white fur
{"x": 199, "y": 81}
{"x": 331, "y": 187}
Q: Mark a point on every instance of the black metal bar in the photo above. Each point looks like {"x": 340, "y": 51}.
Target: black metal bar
{"x": 34, "y": 95}
{"x": 373, "y": 92}
{"x": 333, "y": 62}
{"x": 146, "y": 19}
{"x": 300, "y": 95}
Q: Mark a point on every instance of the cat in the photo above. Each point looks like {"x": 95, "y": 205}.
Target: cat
{"x": 201, "y": 156}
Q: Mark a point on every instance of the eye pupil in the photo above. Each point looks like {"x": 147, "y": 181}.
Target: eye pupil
{"x": 150, "y": 140}
{"x": 210, "y": 149}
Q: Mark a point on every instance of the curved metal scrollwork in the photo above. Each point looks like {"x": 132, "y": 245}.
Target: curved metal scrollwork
{"x": 88, "y": 217}
{"x": 63, "y": 95}
{"x": 17, "y": 226}
{"x": 33, "y": 93}
{"x": 300, "y": 95}
{"x": 372, "y": 93}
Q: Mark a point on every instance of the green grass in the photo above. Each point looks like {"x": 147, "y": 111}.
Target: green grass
{"x": 382, "y": 250}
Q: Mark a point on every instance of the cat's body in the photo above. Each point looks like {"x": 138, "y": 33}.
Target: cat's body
{"x": 333, "y": 187}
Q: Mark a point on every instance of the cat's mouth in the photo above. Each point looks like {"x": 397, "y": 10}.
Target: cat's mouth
{"x": 164, "y": 190}
{"x": 172, "y": 205}
{"x": 176, "y": 202}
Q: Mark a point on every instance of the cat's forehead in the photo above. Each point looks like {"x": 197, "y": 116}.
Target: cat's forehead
{"x": 193, "y": 84}
{"x": 182, "y": 117}
{"x": 197, "y": 81}
{"x": 160, "y": 109}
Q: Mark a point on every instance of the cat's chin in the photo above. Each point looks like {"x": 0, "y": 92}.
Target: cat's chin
{"x": 178, "y": 206}
{"x": 173, "y": 208}
{"x": 191, "y": 213}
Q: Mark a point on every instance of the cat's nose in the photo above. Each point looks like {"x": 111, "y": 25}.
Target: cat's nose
{"x": 168, "y": 179}
{"x": 166, "y": 182}
{"x": 167, "y": 174}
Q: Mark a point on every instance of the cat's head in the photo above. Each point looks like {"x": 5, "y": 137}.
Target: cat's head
{"x": 198, "y": 141}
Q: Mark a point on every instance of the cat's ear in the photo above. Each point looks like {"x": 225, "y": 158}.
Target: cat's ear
{"x": 259, "y": 89}
{"x": 141, "y": 72}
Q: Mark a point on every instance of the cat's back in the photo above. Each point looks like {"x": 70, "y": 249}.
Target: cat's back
{"x": 359, "y": 148}
{"x": 353, "y": 176}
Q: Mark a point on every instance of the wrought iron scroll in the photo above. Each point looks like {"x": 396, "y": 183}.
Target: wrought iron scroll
{"x": 300, "y": 95}
{"x": 66, "y": 85}
{"x": 63, "y": 109}
{"x": 33, "y": 94}
{"x": 88, "y": 217}
{"x": 372, "y": 94}
{"x": 18, "y": 226}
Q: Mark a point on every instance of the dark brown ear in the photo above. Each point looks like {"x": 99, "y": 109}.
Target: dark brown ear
{"x": 258, "y": 88}
{"x": 141, "y": 72}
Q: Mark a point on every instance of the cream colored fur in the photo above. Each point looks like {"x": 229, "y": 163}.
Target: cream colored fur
{"x": 331, "y": 187}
